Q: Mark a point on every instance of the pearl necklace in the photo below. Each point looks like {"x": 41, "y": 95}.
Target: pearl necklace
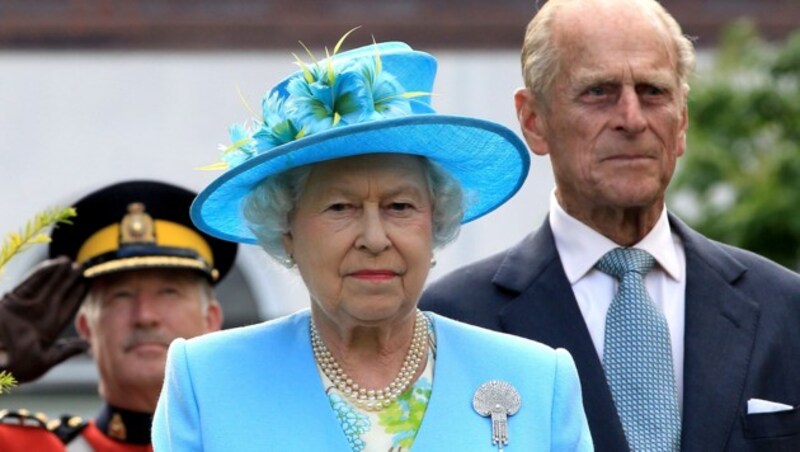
{"x": 374, "y": 399}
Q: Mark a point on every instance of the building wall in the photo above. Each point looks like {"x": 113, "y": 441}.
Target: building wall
{"x": 275, "y": 24}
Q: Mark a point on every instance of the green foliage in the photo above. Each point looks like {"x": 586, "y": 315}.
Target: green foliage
{"x": 17, "y": 242}
{"x": 740, "y": 178}
{"x": 7, "y": 381}
{"x": 32, "y": 234}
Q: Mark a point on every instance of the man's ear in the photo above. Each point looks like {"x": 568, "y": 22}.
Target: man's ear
{"x": 82, "y": 326}
{"x": 531, "y": 122}
{"x": 684, "y": 127}
{"x": 214, "y": 316}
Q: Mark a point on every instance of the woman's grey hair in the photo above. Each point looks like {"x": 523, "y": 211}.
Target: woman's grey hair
{"x": 269, "y": 206}
{"x": 540, "y": 58}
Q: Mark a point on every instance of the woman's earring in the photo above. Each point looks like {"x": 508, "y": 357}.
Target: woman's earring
{"x": 433, "y": 262}
{"x": 288, "y": 261}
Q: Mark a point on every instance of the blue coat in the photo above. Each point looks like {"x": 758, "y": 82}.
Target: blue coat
{"x": 257, "y": 388}
{"x": 742, "y": 336}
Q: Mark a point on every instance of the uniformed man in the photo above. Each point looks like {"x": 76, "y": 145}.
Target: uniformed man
{"x": 139, "y": 275}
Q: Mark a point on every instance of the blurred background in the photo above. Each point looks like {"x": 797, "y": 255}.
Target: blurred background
{"x": 98, "y": 91}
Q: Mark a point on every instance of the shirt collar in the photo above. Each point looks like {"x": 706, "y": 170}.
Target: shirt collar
{"x": 580, "y": 247}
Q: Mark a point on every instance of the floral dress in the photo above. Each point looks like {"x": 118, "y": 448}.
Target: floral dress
{"x": 393, "y": 428}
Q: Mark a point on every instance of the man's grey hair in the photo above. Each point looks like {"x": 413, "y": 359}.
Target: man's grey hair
{"x": 540, "y": 55}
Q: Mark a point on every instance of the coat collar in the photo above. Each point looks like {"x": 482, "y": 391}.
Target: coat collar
{"x": 449, "y": 418}
{"x": 127, "y": 426}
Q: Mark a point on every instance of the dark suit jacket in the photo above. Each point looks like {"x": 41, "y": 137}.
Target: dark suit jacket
{"x": 742, "y": 336}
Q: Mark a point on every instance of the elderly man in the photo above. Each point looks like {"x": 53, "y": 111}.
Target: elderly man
{"x": 142, "y": 277}
{"x": 681, "y": 343}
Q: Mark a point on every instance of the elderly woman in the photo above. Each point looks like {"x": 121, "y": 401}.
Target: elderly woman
{"x": 353, "y": 178}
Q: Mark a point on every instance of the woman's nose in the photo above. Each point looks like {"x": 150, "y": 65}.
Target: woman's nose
{"x": 372, "y": 236}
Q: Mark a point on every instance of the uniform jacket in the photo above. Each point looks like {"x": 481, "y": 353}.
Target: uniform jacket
{"x": 257, "y": 389}
{"x": 742, "y": 336}
{"x": 114, "y": 430}
{"x": 18, "y": 433}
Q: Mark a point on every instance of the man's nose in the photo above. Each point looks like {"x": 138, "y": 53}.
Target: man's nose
{"x": 630, "y": 117}
{"x": 145, "y": 309}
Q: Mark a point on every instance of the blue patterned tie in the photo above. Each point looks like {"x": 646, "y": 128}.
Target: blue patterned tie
{"x": 638, "y": 356}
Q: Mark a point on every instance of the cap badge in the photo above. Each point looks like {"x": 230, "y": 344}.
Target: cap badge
{"x": 136, "y": 226}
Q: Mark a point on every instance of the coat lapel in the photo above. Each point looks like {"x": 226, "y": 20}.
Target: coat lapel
{"x": 546, "y": 311}
{"x": 307, "y": 399}
{"x": 449, "y": 413}
{"x": 719, "y": 335}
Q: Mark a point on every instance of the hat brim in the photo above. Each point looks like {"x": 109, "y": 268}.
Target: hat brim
{"x": 489, "y": 161}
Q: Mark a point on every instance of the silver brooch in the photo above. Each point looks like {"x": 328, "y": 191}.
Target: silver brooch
{"x": 499, "y": 400}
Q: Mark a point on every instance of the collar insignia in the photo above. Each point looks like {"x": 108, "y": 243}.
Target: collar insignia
{"x": 116, "y": 428}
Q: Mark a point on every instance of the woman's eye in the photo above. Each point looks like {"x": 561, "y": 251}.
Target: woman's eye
{"x": 338, "y": 207}
{"x": 400, "y": 206}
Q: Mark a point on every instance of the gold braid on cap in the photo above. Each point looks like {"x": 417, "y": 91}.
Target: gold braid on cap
{"x": 138, "y": 228}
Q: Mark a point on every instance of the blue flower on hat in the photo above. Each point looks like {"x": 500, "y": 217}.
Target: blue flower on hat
{"x": 241, "y": 148}
{"x": 331, "y": 97}
{"x": 389, "y": 99}
{"x": 277, "y": 127}
{"x": 323, "y": 95}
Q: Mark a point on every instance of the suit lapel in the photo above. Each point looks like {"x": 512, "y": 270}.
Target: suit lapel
{"x": 546, "y": 311}
{"x": 720, "y": 329}
{"x": 719, "y": 335}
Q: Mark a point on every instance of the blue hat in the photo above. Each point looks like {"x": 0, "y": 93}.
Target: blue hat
{"x": 374, "y": 99}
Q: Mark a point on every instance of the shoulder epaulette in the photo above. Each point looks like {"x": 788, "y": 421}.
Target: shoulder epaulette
{"x": 67, "y": 427}
{"x": 23, "y": 417}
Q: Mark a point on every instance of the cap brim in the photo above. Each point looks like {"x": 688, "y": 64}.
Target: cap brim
{"x": 148, "y": 262}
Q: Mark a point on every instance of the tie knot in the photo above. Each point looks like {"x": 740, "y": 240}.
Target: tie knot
{"x": 621, "y": 261}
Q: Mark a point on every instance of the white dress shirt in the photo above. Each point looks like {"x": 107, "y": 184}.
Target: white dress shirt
{"x": 580, "y": 247}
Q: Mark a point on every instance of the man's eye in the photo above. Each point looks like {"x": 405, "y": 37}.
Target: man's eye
{"x": 596, "y": 91}
{"x": 650, "y": 90}
{"x": 120, "y": 295}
